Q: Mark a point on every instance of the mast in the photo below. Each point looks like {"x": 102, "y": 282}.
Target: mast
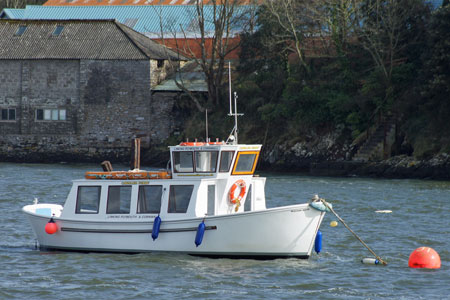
{"x": 229, "y": 85}
{"x": 233, "y": 137}
{"x": 235, "y": 119}
{"x": 206, "y": 125}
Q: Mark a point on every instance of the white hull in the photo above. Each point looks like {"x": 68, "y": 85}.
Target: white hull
{"x": 287, "y": 231}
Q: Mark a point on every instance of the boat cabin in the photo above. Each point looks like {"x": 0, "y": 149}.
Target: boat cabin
{"x": 203, "y": 180}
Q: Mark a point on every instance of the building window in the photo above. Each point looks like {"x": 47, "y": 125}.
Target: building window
{"x": 160, "y": 63}
{"x": 21, "y": 30}
{"x": 50, "y": 114}
{"x": 130, "y": 22}
{"x": 58, "y": 30}
{"x": 8, "y": 114}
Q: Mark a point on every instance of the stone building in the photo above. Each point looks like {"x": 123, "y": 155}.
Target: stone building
{"x": 79, "y": 88}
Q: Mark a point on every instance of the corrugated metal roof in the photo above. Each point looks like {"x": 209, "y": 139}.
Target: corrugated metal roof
{"x": 80, "y": 39}
{"x": 149, "y": 18}
{"x": 130, "y": 2}
{"x": 12, "y": 13}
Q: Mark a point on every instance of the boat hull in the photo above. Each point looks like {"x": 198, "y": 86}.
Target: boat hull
{"x": 272, "y": 233}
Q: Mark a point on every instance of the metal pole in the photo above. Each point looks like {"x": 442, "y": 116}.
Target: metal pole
{"x": 235, "y": 117}
{"x": 229, "y": 84}
{"x": 206, "y": 112}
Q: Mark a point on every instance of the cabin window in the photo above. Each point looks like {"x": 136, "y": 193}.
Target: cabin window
{"x": 245, "y": 163}
{"x": 205, "y": 161}
{"x": 88, "y": 199}
{"x": 226, "y": 157}
{"x": 8, "y": 114}
{"x": 119, "y": 200}
{"x": 149, "y": 201}
{"x": 211, "y": 200}
{"x": 183, "y": 162}
{"x": 179, "y": 198}
{"x": 248, "y": 200}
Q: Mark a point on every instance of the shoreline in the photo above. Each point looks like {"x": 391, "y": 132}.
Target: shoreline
{"x": 396, "y": 167}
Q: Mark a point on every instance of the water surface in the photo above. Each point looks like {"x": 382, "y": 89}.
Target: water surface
{"x": 420, "y": 217}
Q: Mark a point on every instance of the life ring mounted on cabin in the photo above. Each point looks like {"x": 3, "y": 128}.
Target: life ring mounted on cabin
{"x": 231, "y": 195}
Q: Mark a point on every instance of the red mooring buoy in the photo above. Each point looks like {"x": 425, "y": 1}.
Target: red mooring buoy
{"x": 424, "y": 257}
{"x": 51, "y": 227}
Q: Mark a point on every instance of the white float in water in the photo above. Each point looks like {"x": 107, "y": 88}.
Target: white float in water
{"x": 386, "y": 211}
{"x": 370, "y": 261}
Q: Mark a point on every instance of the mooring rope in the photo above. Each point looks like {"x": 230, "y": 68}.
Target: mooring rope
{"x": 346, "y": 226}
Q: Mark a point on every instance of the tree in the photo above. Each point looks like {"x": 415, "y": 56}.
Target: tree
{"x": 385, "y": 29}
{"x": 436, "y": 88}
{"x": 211, "y": 37}
{"x": 297, "y": 22}
{"x": 18, "y": 3}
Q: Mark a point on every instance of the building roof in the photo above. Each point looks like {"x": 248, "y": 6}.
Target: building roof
{"x": 77, "y": 39}
{"x": 147, "y": 19}
{"x": 129, "y": 2}
{"x": 12, "y": 13}
{"x": 190, "y": 47}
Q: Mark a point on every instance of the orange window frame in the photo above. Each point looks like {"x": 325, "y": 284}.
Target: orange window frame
{"x": 237, "y": 161}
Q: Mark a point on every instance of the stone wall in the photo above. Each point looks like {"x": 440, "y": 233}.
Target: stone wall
{"x": 107, "y": 104}
{"x": 10, "y": 94}
{"x": 59, "y": 148}
{"x": 164, "y": 118}
{"x": 29, "y": 85}
{"x": 116, "y": 100}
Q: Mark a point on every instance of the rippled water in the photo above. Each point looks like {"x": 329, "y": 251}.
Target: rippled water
{"x": 420, "y": 217}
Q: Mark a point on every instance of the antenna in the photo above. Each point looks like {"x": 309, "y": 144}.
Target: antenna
{"x": 233, "y": 137}
{"x": 229, "y": 85}
{"x": 235, "y": 118}
{"x": 207, "y": 139}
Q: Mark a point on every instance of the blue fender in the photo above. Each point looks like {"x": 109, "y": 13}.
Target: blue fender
{"x": 200, "y": 233}
{"x": 156, "y": 226}
{"x": 318, "y": 242}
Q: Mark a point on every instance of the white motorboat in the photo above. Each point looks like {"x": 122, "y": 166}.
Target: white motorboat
{"x": 208, "y": 202}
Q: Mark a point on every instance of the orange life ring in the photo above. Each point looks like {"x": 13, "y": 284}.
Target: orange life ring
{"x": 241, "y": 184}
{"x": 192, "y": 144}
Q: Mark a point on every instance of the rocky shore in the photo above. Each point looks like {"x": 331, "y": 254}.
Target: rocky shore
{"x": 401, "y": 166}
{"x": 328, "y": 158}
{"x": 320, "y": 157}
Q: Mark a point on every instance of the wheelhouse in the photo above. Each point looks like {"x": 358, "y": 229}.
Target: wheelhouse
{"x": 214, "y": 160}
